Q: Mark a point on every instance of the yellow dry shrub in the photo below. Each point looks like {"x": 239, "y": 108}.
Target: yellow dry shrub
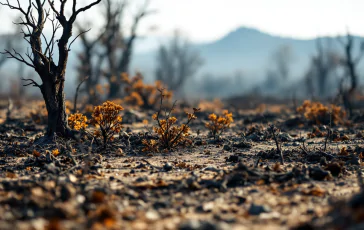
{"x": 170, "y": 135}
{"x": 77, "y": 121}
{"x": 141, "y": 94}
{"x": 218, "y": 124}
{"x": 107, "y": 119}
{"x": 318, "y": 114}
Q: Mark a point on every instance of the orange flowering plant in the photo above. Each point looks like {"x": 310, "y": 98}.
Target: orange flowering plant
{"x": 170, "y": 134}
{"x": 318, "y": 114}
{"x": 106, "y": 117}
{"x": 77, "y": 121}
{"x": 141, "y": 94}
{"x": 218, "y": 124}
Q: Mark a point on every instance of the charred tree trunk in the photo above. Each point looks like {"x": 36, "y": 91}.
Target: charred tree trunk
{"x": 123, "y": 67}
{"x": 41, "y": 60}
{"x": 114, "y": 91}
{"x": 54, "y": 98}
{"x": 350, "y": 63}
{"x": 115, "y": 41}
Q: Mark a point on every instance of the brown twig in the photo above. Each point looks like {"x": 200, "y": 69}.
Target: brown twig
{"x": 279, "y": 149}
{"x": 328, "y": 133}
{"x": 76, "y": 94}
{"x": 10, "y": 109}
{"x": 360, "y": 178}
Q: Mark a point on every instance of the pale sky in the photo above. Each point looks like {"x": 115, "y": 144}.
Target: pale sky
{"x": 211, "y": 19}
{"x": 207, "y": 20}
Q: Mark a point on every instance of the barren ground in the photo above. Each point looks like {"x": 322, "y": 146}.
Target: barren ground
{"x": 235, "y": 182}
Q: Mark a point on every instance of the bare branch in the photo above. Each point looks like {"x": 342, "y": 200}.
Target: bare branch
{"x": 76, "y": 94}
{"x": 76, "y": 12}
{"x": 32, "y": 82}
{"x": 18, "y": 57}
{"x": 51, "y": 3}
{"x": 69, "y": 47}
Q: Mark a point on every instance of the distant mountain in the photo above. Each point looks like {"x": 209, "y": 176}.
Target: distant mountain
{"x": 245, "y": 50}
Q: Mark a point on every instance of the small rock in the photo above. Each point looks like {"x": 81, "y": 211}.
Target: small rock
{"x": 52, "y": 168}
{"x": 199, "y": 142}
{"x": 334, "y": 168}
{"x": 142, "y": 179}
{"x": 208, "y": 207}
{"x": 255, "y": 137}
{"x": 152, "y": 215}
{"x": 80, "y": 199}
{"x": 72, "y": 178}
{"x": 241, "y": 199}
{"x": 237, "y": 179}
{"x": 256, "y": 210}
{"x": 285, "y": 137}
{"x": 318, "y": 173}
{"x": 167, "y": 167}
{"x": 342, "y": 183}
{"x": 251, "y": 191}
{"x": 242, "y": 145}
{"x": 199, "y": 225}
{"x": 270, "y": 216}
{"x": 323, "y": 161}
{"x": 67, "y": 192}
{"x": 227, "y": 148}
{"x": 212, "y": 169}
{"x": 160, "y": 204}
{"x": 354, "y": 160}
{"x": 233, "y": 158}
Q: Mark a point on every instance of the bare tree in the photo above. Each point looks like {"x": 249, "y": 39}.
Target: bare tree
{"x": 177, "y": 62}
{"x": 350, "y": 64}
{"x": 117, "y": 40}
{"x": 308, "y": 80}
{"x": 91, "y": 60}
{"x": 324, "y": 63}
{"x": 3, "y": 59}
{"x": 281, "y": 61}
{"x": 52, "y": 74}
{"x": 12, "y": 41}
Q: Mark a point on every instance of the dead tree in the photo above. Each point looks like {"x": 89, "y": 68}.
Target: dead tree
{"x": 308, "y": 81}
{"x": 3, "y": 59}
{"x": 324, "y": 63}
{"x": 41, "y": 59}
{"x": 350, "y": 64}
{"x": 11, "y": 43}
{"x": 281, "y": 61}
{"x": 90, "y": 59}
{"x": 177, "y": 62}
{"x": 116, "y": 42}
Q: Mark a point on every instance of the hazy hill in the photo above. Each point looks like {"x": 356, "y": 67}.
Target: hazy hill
{"x": 244, "y": 50}
{"x": 247, "y": 51}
